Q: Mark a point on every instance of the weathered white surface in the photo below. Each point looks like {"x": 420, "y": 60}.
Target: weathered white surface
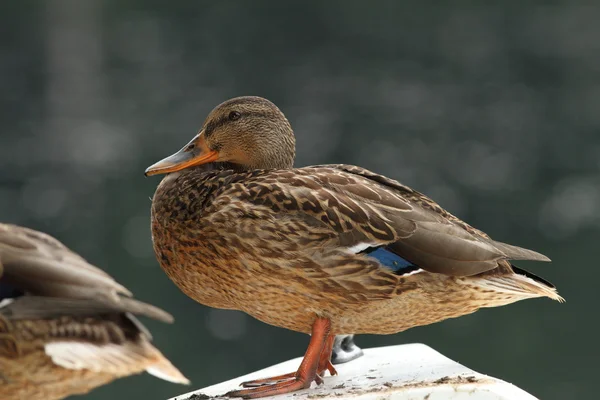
{"x": 408, "y": 372}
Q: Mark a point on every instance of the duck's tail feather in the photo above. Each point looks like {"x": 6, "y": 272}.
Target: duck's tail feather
{"x": 163, "y": 369}
{"x": 116, "y": 359}
{"x": 523, "y": 284}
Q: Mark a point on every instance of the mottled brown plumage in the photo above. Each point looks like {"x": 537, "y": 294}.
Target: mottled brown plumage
{"x": 236, "y": 226}
{"x": 67, "y": 327}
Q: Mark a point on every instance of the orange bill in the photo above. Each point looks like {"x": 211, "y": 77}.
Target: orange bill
{"x": 196, "y": 152}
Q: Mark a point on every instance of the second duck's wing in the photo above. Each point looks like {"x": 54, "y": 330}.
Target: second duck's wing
{"x": 37, "y": 264}
{"x": 52, "y": 297}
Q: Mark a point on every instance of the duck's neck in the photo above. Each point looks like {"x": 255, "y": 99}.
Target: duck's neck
{"x": 184, "y": 194}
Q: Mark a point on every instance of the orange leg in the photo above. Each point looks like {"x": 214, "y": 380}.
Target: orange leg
{"x": 325, "y": 360}
{"x": 324, "y": 364}
{"x": 303, "y": 377}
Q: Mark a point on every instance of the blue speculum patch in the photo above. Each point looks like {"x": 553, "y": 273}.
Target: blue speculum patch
{"x": 391, "y": 260}
{"x": 8, "y": 292}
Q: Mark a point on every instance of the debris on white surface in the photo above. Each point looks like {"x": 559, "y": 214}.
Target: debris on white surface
{"x": 407, "y": 372}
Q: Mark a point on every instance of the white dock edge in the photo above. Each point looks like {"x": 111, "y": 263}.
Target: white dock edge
{"x": 407, "y": 372}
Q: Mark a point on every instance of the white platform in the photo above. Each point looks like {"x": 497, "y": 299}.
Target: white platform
{"x": 407, "y": 372}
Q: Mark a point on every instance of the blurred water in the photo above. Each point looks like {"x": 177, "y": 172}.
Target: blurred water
{"x": 492, "y": 111}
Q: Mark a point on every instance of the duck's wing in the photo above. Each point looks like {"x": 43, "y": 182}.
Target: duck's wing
{"x": 324, "y": 208}
{"x": 440, "y": 242}
{"x": 37, "y": 264}
{"x": 42, "y": 307}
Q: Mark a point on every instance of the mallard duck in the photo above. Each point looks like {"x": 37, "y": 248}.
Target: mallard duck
{"x": 67, "y": 327}
{"x": 324, "y": 250}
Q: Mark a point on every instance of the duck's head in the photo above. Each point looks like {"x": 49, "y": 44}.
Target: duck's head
{"x": 246, "y": 132}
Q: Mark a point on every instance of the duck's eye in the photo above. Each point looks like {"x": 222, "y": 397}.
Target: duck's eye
{"x": 234, "y": 115}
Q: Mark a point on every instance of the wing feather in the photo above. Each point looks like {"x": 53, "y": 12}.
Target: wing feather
{"x": 40, "y": 264}
{"x": 344, "y": 207}
{"x": 58, "y": 281}
{"x": 37, "y": 307}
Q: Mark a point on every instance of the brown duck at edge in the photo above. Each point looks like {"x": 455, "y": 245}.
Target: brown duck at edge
{"x": 326, "y": 250}
{"x": 67, "y": 327}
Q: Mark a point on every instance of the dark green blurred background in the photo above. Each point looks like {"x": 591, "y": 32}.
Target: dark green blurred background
{"x": 492, "y": 111}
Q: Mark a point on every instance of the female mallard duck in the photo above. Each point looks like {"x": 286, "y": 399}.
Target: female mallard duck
{"x": 65, "y": 327}
{"x": 325, "y": 250}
